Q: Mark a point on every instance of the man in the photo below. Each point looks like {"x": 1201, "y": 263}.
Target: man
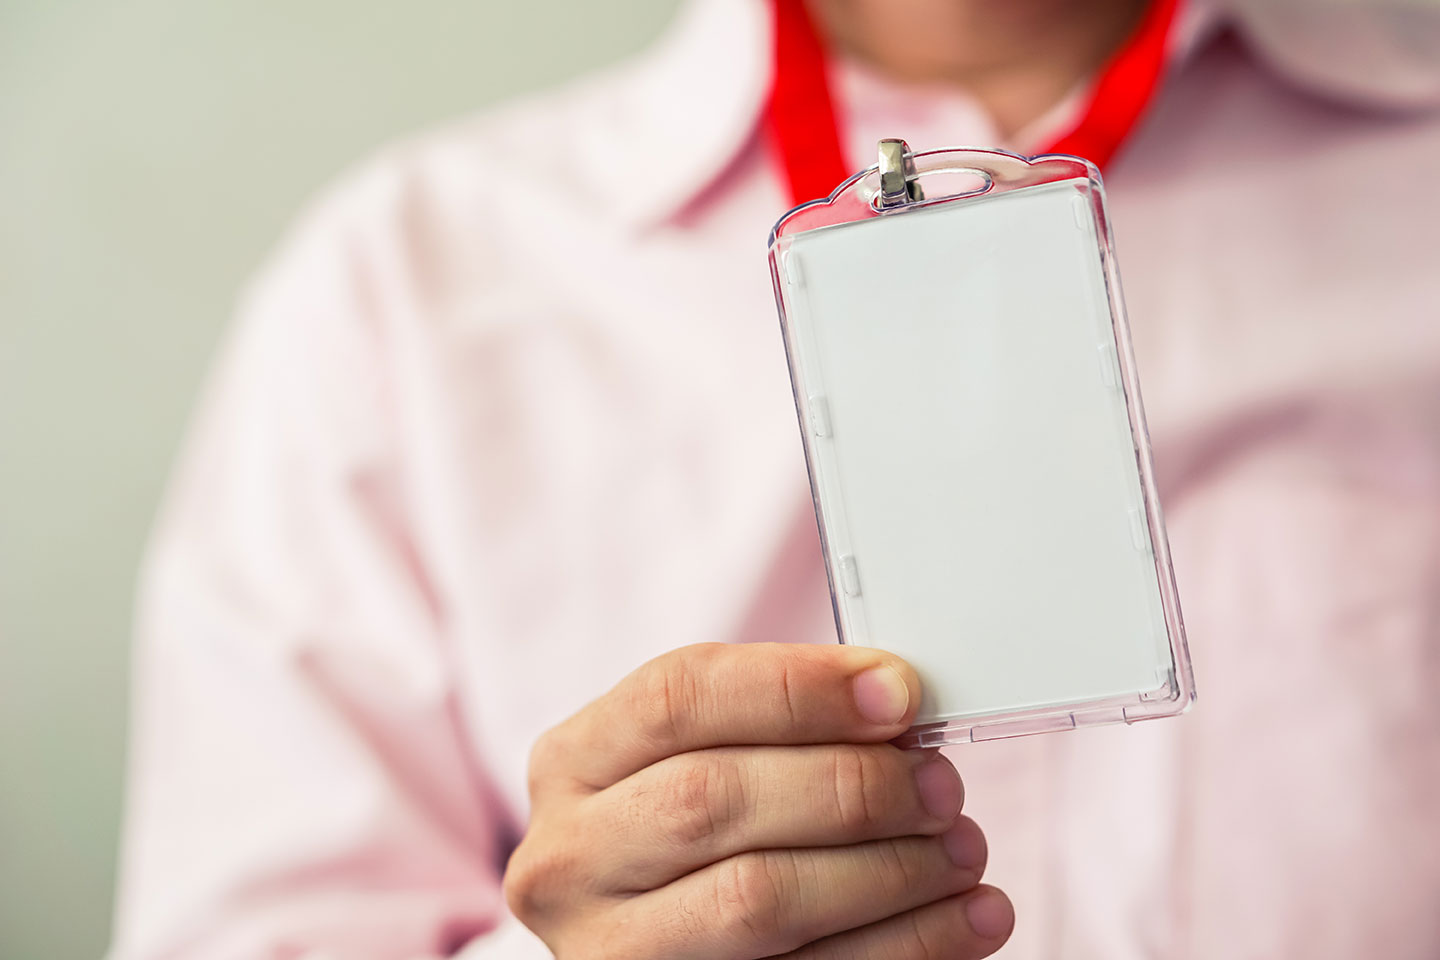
{"x": 508, "y": 418}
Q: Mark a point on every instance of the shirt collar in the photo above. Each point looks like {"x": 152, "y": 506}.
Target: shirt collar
{"x": 1372, "y": 54}
{"x": 680, "y": 113}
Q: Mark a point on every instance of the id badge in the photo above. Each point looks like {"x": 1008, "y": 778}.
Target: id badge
{"x": 975, "y": 440}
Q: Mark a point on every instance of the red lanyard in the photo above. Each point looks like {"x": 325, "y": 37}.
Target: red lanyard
{"x": 806, "y": 134}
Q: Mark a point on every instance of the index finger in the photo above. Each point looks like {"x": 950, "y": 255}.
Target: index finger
{"x": 720, "y": 694}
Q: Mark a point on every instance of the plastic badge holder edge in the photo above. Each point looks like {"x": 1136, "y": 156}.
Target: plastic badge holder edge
{"x": 995, "y": 172}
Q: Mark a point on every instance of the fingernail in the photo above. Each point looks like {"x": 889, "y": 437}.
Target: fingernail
{"x": 966, "y": 845}
{"x": 940, "y": 788}
{"x": 881, "y": 695}
{"x": 990, "y": 914}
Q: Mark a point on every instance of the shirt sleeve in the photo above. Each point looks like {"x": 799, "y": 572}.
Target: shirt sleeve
{"x": 300, "y": 782}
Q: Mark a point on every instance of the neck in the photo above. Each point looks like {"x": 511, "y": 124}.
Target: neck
{"x": 1018, "y": 57}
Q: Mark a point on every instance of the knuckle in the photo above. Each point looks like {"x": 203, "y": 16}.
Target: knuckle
{"x": 545, "y": 758}
{"x": 536, "y": 879}
{"x": 750, "y": 893}
{"x": 920, "y": 940}
{"x": 899, "y": 866}
{"x": 702, "y": 796}
{"x": 793, "y": 674}
{"x": 553, "y": 761}
{"x": 789, "y": 681}
{"x": 664, "y": 695}
{"x": 522, "y": 884}
{"x": 860, "y": 789}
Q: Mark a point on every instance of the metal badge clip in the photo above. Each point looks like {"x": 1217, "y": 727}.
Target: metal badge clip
{"x": 898, "y": 185}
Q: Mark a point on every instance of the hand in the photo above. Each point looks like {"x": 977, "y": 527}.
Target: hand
{"x": 736, "y": 802}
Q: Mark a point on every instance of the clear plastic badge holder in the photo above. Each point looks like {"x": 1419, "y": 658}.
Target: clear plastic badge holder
{"x": 975, "y": 440}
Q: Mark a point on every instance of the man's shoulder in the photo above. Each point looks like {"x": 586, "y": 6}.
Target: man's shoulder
{"x": 618, "y": 146}
{"x": 458, "y": 204}
{"x": 463, "y": 170}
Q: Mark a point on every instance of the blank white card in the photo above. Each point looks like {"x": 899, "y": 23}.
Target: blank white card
{"x": 972, "y": 455}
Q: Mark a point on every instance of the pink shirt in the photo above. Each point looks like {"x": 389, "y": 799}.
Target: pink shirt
{"x": 509, "y": 415}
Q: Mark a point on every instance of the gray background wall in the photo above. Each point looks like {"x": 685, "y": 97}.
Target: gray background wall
{"x": 150, "y": 151}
